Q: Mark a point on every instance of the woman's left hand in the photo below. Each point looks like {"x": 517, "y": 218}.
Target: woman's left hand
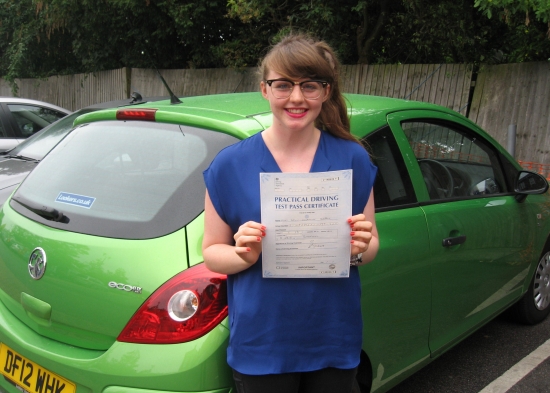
{"x": 361, "y": 234}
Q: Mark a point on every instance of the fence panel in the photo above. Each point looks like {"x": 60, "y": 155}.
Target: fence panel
{"x": 75, "y": 91}
{"x": 191, "y": 82}
{"x": 443, "y": 84}
{"x": 5, "y": 89}
{"x": 516, "y": 94}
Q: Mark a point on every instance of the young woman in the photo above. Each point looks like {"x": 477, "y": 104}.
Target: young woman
{"x": 290, "y": 334}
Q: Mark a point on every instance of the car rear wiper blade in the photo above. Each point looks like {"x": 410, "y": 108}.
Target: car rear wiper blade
{"x": 49, "y": 213}
{"x": 20, "y": 157}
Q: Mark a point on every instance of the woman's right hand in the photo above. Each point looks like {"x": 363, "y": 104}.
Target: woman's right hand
{"x": 248, "y": 241}
{"x": 223, "y": 250}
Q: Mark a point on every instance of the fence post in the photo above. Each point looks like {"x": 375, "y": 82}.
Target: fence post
{"x": 128, "y": 79}
{"x": 512, "y": 128}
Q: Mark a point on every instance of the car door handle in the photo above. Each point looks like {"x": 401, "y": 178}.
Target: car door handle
{"x": 453, "y": 241}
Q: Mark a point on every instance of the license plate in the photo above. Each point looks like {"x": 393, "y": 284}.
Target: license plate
{"x": 29, "y": 376}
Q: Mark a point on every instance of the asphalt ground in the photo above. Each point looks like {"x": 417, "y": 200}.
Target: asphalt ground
{"x": 502, "y": 356}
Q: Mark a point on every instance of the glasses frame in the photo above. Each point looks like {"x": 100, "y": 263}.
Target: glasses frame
{"x": 323, "y": 83}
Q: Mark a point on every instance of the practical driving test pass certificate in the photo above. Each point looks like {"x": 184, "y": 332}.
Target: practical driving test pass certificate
{"x": 306, "y": 219}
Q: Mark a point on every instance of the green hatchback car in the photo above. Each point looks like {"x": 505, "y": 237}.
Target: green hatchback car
{"x": 102, "y": 285}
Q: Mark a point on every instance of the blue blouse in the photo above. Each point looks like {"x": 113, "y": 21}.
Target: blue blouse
{"x": 280, "y": 325}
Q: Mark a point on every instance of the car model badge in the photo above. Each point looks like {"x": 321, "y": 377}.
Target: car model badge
{"x": 37, "y": 263}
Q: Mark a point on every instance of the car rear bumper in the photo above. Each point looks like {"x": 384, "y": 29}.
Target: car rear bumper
{"x": 196, "y": 366}
{"x": 122, "y": 389}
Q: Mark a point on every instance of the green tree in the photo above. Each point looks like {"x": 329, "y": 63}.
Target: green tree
{"x": 437, "y": 32}
{"x": 373, "y": 18}
{"x": 529, "y": 26}
{"x": 263, "y": 21}
{"x": 506, "y": 8}
{"x": 374, "y": 31}
{"x": 47, "y": 37}
{"x": 25, "y": 51}
{"x": 139, "y": 33}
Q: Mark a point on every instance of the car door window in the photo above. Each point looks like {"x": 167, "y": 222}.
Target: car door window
{"x": 393, "y": 186}
{"x": 31, "y": 118}
{"x": 454, "y": 163}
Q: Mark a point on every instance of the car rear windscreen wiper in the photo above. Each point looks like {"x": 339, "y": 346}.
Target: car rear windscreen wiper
{"x": 20, "y": 157}
{"x": 49, "y": 213}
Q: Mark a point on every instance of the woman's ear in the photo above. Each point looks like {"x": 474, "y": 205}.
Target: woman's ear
{"x": 263, "y": 89}
{"x": 327, "y": 93}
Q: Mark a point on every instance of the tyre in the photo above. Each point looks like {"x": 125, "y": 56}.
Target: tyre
{"x": 534, "y": 306}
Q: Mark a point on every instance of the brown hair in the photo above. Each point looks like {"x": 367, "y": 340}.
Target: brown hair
{"x": 301, "y": 56}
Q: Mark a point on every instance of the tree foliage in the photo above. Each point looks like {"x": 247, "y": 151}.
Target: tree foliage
{"x": 47, "y": 37}
{"x": 506, "y": 8}
{"x": 527, "y": 20}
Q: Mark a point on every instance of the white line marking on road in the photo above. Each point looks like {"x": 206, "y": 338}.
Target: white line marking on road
{"x": 507, "y": 380}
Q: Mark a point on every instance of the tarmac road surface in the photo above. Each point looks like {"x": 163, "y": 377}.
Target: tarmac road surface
{"x": 502, "y": 356}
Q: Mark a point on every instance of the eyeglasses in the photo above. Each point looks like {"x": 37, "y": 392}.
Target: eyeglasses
{"x": 311, "y": 89}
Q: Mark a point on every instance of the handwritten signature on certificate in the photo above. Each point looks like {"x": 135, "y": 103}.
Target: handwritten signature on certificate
{"x": 306, "y": 216}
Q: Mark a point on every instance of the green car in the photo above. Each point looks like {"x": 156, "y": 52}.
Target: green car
{"x": 102, "y": 285}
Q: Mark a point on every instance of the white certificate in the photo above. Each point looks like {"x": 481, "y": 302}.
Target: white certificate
{"x": 307, "y": 231}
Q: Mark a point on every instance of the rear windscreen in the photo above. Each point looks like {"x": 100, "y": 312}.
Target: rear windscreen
{"x": 130, "y": 180}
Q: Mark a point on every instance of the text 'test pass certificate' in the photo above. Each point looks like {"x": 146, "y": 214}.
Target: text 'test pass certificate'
{"x": 306, "y": 219}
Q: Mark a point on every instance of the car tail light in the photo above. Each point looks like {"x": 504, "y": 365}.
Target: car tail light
{"x": 136, "y": 114}
{"x": 185, "y": 308}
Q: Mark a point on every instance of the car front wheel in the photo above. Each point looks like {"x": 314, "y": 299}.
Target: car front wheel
{"x": 534, "y": 306}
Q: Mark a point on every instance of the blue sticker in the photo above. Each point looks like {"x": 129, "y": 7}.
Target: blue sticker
{"x": 75, "y": 199}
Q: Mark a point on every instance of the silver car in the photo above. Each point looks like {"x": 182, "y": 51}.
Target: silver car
{"x": 21, "y": 118}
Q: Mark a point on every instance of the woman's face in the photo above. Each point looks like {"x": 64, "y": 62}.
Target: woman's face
{"x": 294, "y": 112}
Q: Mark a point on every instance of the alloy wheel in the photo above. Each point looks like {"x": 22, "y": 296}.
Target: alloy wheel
{"x": 541, "y": 287}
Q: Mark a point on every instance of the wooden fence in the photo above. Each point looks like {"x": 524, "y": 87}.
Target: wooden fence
{"x": 516, "y": 94}
{"x": 73, "y": 91}
{"x": 444, "y": 84}
{"x": 503, "y": 95}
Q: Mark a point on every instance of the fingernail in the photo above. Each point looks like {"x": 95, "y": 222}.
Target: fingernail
{"x": 263, "y": 228}
{"x": 352, "y": 233}
{"x": 263, "y": 233}
{"x": 248, "y": 249}
{"x": 349, "y": 220}
{"x": 259, "y": 238}
{"x": 352, "y": 242}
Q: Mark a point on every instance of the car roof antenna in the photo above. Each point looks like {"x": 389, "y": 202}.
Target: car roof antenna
{"x": 173, "y": 98}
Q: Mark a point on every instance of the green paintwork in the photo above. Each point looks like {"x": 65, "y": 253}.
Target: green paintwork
{"x": 419, "y": 298}
{"x": 488, "y": 270}
{"x": 218, "y": 113}
{"x": 79, "y": 261}
{"x": 396, "y": 293}
{"x": 36, "y": 309}
{"x": 195, "y": 230}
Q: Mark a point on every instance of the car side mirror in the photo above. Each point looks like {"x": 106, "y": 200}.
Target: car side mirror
{"x": 529, "y": 183}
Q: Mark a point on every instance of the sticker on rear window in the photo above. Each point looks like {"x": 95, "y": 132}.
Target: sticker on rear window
{"x": 75, "y": 199}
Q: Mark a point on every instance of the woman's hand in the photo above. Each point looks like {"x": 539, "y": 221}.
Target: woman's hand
{"x": 361, "y": 234}
{"x": 248, "y": 241}
{"x": 226, "y": 252}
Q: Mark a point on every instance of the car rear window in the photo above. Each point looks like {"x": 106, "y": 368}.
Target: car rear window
{"x": 130, "y": 180}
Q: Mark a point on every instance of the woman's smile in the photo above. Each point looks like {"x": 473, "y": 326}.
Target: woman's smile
{"x": 296, "y": 112}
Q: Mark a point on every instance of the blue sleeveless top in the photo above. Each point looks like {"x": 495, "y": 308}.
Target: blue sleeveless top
{"x": 280, "y": 325}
